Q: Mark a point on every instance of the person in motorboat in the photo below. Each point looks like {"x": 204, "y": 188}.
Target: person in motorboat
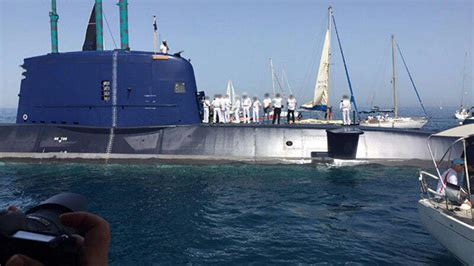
{"x": 246, "y": 103}
{"x": 291, "y": 105}
{"x": 236, "y": 109}
{"x": 255, "y": 109}
{"x": 206, "y": 104}
{"x": 277, "y": 105}
{"x": 216, "y": 108}
{"x": 345, "y": 107}
{"x": 450, "y": 176}
{"x": 267, "y": 104}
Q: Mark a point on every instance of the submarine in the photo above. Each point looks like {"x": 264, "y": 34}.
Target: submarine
{"x": 122, "y": 104}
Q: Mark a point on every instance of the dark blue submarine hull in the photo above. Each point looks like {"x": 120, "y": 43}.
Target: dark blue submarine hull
{"x": 207, "y": 142}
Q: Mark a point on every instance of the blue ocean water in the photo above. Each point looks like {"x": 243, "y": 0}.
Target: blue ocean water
{"x": 242, "y": 213}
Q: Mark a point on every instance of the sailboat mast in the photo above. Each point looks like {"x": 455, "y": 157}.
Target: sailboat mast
{"x": 329, "y": 57}
{"x": 273, "y": 76}
{"x": 463, "y": 79}
{"x": 395, "y": 111}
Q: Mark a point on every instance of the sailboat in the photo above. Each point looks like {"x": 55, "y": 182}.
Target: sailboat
{"x": 320, "y": 100}
{"x": 377, "y": 118}
{"x": 462, "y": 113}
{"x": 231, "y": 93}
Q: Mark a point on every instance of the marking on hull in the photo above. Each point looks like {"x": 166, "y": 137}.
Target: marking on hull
{"x": 114, "y": 105}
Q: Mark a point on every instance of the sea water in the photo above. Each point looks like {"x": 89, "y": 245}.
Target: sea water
{"x": 242, "y": 213}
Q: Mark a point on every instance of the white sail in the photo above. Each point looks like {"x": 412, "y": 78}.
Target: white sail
{"x": 230, "y": 92}
{"x": 322, "y": 82}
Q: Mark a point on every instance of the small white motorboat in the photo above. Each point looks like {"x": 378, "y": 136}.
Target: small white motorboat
{"x": 448, "y": 216}
{"x": 462, "y": 113}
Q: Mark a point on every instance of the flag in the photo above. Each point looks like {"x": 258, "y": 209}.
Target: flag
{"x": 155, "y": 28}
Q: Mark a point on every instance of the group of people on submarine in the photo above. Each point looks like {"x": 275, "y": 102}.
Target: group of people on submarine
{"x": 223, "y": 110}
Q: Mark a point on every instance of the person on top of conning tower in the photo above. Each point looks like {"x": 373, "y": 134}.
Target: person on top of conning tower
{"x": 255, "y": 109}
{"x": 164, "y": 47}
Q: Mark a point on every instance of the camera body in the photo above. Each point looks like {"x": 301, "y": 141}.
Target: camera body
{"x": 39, "y": 234}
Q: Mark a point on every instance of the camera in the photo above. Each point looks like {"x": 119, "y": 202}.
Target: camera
{"x": 39, "y": 234}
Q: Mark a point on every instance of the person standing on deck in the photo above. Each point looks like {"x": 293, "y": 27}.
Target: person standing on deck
{"x": 277, "y": 105}
{"x": 206, "y": 104}
{"x": 246, "y": 107}
{"x": 450, "y": 176}
{"x": 222, "y": 102}
{"x": 255, "y": 109}
{"x": 227, "y": 106}
{"x": 216, "y": 106}
{"x": 267, "y": 104}
{"x": 236, "y": 110}
{"x": 291, "y": 105}
{"x": 164, "y": 47}
{"x": 345, "y": 107}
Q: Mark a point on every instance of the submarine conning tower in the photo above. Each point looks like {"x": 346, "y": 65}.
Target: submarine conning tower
{"x": 118, "y": 88}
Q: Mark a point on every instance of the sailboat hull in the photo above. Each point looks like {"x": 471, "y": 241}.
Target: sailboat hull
{"x": 401, "y": 123}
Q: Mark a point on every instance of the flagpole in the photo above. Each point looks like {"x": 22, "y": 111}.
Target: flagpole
{"x": 154, "y": 33}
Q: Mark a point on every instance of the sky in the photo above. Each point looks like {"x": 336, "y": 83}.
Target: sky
{"x": 233, "y": 40}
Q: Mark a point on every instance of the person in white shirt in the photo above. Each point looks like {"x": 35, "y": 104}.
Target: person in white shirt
{"x": 206, "y": 104}
{"x": 246, "y": 108}
{"x": 450, "y": 176}
{"x": 345, "y": 107}
{"x": 227, "y": 106}
{"x": 164, "y": 47}
{"x": 277, "y": 105}
{"x": 267, "y": 105}
{"x": 255, "y": 109}
{"x": 216, "y": 108}
{"x": 236, "y": 110}
{"x": 291, "y": 105}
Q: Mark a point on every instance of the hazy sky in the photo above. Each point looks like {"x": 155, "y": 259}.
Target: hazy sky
{"x": 235, "y": 39}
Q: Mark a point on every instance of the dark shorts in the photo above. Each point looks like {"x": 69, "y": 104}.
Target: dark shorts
{"x": 266, "y": 110}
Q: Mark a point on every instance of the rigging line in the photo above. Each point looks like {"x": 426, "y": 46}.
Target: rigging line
{"x": 411, "y": 79}
{"x": 110, "y": 32}
{"x": 278, "y": 82}
{"x": 345, "y": 67}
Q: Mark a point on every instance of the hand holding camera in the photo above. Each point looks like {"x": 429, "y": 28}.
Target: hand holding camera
{"x": 56, "y": 232}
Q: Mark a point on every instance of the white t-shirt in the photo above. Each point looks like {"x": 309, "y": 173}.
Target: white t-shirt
{"x": 247, "y": 103}
{"x": 267, "y": 102}
{"x": 216, "y": 103}
{"x": 256, "y": 104}
{"x": 227, "y": 103}
{"x": 345, "y": 105}
{"x": 449, "y": 176}
{"x": 237, "y": 105}
{"x": 291, "y": 104}
{"x": 277, "y": 102}
{"x": 206, "y": 104}
{"x": 163, "y": 49}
